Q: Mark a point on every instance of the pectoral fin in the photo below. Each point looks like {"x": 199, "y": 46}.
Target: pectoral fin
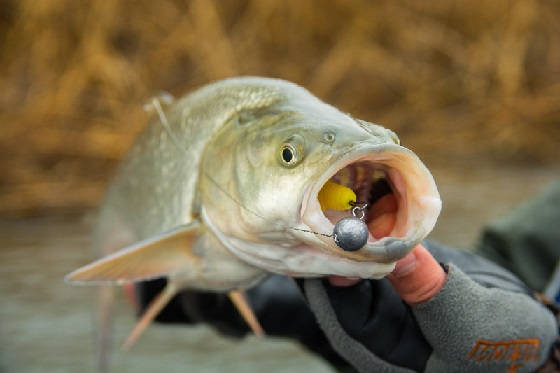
{"x": 159, "y": 256}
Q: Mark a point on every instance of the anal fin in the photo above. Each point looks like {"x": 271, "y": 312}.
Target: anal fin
{"x": 240, "y": 302}
{"x": 170, "y": 290}
{"x": 156, "y": 305}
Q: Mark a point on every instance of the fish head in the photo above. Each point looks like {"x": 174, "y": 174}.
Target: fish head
{"x": 262, "y": 174}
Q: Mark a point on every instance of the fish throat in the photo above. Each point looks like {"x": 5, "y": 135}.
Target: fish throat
{"x": 366, "y": 183}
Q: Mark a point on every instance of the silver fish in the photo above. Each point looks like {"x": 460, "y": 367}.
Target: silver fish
{"x": 222, "y": 188}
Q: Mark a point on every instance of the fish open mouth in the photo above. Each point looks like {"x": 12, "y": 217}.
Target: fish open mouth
{"x": 377, "y": 197}
{"x": 401, "y": 197}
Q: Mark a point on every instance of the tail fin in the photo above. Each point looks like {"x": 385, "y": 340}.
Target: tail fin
{"x": 104, "y": 327}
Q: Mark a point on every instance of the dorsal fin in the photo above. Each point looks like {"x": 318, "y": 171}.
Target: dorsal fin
{"x": 159, "y": 256}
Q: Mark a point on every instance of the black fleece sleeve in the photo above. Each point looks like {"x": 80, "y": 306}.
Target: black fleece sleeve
{"x": 373, "y": 314}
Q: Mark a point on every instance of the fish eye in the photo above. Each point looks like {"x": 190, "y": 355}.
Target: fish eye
{"x": 291, "y": 152}
{"x": 289, "y": 155}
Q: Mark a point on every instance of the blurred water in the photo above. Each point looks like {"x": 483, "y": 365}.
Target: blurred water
{"x": 45, "y": 324}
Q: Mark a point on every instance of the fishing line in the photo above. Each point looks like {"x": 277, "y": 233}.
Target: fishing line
{"x": 163, "y": 119}
{"x": 256, "y": 214}
{"x": 349, "y": 233}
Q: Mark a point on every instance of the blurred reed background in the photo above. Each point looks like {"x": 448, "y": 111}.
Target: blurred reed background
{"x": 460, "y": 81}
{"x": 472, "y": 86}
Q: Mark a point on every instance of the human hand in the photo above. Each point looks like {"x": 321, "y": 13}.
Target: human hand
{"x": 450, "y": 323}
{"x": 416, "y": 278}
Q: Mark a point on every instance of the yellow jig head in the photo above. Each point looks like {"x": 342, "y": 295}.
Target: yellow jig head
{"x": 336, "y": 197}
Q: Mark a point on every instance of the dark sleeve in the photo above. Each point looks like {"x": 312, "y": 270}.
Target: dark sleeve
{"x": 527, "y": 241}
{"x": 371, "y": 311}
{"x": 277, "y": 302}
{"x": 369, "y": 325}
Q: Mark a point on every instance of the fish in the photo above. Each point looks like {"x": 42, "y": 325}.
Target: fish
{"x": 222, "y": 188}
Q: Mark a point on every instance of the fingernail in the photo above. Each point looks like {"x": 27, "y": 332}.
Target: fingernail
{"x": 405, "y": 266}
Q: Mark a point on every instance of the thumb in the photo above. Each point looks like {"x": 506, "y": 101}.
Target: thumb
{"x": 418, "y": 276}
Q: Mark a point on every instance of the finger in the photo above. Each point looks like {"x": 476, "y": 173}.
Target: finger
{"x": 418, "y": 276}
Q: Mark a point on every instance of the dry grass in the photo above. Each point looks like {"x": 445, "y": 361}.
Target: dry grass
{"x": 456, "y": 79}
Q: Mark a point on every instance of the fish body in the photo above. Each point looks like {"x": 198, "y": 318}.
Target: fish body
{"x": 222, "y": 188}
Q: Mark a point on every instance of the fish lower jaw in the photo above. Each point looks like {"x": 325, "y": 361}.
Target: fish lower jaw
{"x": 305, "y": 261}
